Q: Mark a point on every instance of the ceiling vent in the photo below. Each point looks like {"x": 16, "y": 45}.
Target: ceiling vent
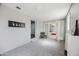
{"x": 18, "y": 7}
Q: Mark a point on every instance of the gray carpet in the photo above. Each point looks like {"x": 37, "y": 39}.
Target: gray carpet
{"x": 39, "y": 48}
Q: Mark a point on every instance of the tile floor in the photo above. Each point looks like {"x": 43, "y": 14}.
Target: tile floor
{"x": 40, "y": 47}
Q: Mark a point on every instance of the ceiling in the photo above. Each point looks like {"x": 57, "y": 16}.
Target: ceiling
{"x": 42, "y": 11}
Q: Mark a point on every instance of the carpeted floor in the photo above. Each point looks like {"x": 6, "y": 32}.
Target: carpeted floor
{"x": 39, "y": 48}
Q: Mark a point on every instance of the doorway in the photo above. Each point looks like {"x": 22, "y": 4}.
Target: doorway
{"x": 32, "y": 29}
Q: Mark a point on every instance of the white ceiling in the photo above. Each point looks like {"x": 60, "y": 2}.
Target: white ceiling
{"x": 42, "y": 11}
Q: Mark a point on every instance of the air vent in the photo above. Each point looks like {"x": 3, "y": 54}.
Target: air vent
{"x": 18, "y": 7}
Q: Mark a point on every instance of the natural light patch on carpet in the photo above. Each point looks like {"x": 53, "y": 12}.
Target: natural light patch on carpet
{"x": 48, "y": 43}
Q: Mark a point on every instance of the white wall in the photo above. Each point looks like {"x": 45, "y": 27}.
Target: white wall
{"x": 73, "y": 41}
{"x": 11, "y": 38}
{"x": 39, "y": 28}
{"x": 73, "y": 46}
{"x": 67, "y": 30}
{"x": 60, "y": 30}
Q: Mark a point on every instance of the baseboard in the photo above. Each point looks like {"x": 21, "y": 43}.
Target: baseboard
{"x": 65, "y": 52}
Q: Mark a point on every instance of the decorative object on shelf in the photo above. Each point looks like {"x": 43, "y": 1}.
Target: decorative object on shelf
{"x": 16, "y": 24}
{"x": 76, "y": 33}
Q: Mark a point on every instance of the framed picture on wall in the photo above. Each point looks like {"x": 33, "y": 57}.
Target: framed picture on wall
{"x": 16, "y": 24}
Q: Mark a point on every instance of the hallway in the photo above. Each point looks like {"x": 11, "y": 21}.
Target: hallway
{"x": 42, "y": 47}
